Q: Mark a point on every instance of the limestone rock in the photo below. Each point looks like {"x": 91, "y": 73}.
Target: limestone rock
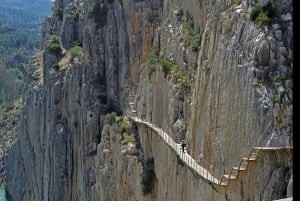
{"x": 229, "y": 94}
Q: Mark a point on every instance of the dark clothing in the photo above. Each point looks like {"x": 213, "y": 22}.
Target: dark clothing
{"x": 183, "y": 145}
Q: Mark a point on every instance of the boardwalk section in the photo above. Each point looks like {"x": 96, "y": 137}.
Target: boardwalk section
{"x": 184, "y": 156}
{"x": 192, "y": 163}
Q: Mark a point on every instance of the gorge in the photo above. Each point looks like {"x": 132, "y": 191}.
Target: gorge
{"x": 118, "y": 84}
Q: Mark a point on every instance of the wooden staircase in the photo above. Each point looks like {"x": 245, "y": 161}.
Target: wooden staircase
{"x": 243, "y": 165}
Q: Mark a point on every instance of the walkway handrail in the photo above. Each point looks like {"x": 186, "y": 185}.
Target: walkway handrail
{"x": 185, "y": 157}
{"x": 192, "y": 163}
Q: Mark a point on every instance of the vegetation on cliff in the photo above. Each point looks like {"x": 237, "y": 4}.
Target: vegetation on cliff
{"x": 20, "y": 26}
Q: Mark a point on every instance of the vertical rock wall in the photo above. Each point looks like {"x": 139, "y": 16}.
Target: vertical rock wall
{"x": 72, "y": 147}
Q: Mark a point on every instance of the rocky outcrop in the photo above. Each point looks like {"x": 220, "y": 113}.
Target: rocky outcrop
{"x": 203, "y": 71}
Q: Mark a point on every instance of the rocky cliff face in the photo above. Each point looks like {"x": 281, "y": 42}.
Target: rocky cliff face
{"x": 215, "y": 73}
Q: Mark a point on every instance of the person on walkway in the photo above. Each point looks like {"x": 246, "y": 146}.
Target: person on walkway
{"x": 183, "y": 144}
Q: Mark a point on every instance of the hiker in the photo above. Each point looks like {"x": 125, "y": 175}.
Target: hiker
{"x": 183, "y": 143}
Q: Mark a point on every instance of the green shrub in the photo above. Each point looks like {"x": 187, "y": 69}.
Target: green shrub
{"x": 167, "y": 65}
{"x": 111, "y": 118}
{"x": 17, "y": 72}
{"x": 180, "y": 76}
{"x": 263, "y": 18}
{"x": 59, "y": 12}
{"x": 55, "y": 39}
{"x": 55, "y": 49}
{"x": 77, "y": 43}
{"x": 179, "y": 12}
{"x": 153, "y": 61}
{"x": 278, "y": 78}
{"x": 268, "y": 8}
{"x": 183, "y": 78}
{"x": 154, "y": 56}
{"x": 54, "y": 46}
{"x": 129, "y": 138}
{"x": 195, "y": 40}
{"x": 125, "y": 126}
{"x": 75, "y": 51}
{"x": 75, "y": 12}
{"x": 193, "y": 36}
{"x": 262, "y": 15}
{"x": 56, "y": 66}
{"x": 255, "y": 12}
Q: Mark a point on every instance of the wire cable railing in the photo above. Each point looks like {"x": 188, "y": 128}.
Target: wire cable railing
{"x": 192, "y": 163}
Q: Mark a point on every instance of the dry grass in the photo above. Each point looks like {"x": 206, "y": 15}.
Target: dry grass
{"x": 64, "y": 62}
{"x": 38, "y": 65}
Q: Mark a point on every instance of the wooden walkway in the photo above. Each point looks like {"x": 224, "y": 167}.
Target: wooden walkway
{"x": 192, "y": 163}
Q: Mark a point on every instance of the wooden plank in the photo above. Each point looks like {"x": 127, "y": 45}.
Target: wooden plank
{"x": 271, "y": 148}
{"x": 239, "y": 169}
